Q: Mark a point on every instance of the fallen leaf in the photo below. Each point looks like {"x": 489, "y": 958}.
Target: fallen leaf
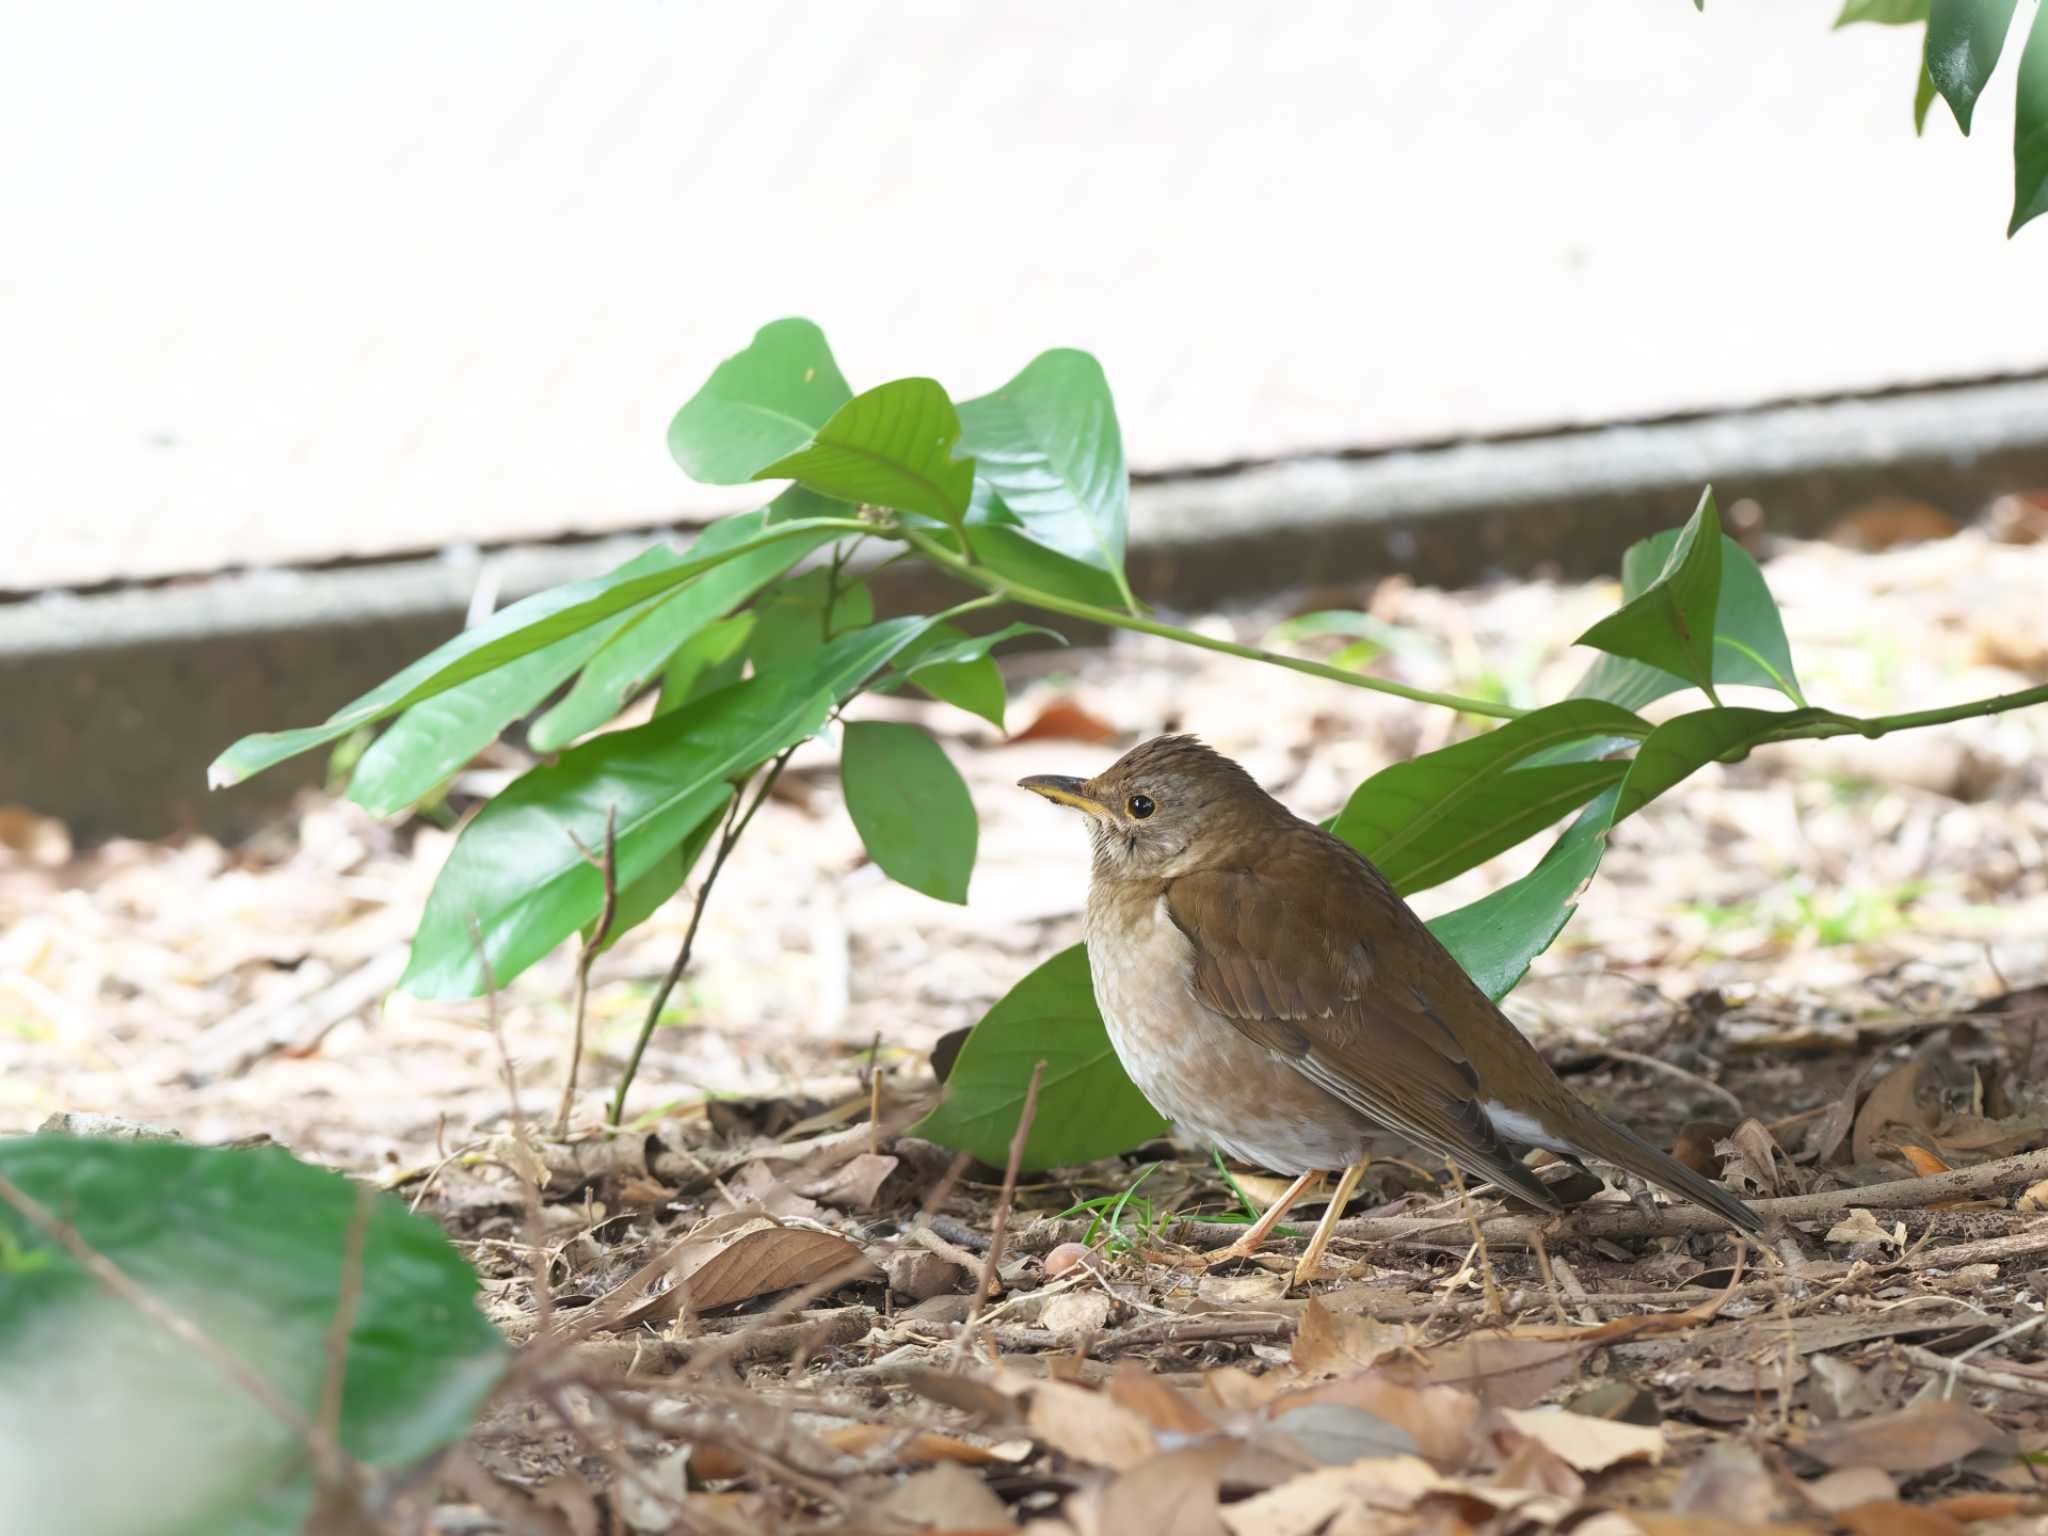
{"x": 1166, "y": 1408}
{"x": 1755, "y": 1153}
{"x": 1585, "y": 1444}
{"x": 1089, "y": 1427}
{"x": 1967, "y": 1507}
{"x": 854, "y": 1184}
{"x": 1236, "y": 1390}
{"x": 1176, "y": 1491}
{"x": 1534, "y": 1466}
{"x": 760, "y": 1258}
{"x": 1327, "y": 1344}
{"x": 998, "y": 1399}
{"x": 1441, "y": 1420}
{"x": 1888, "y": 1517}
{"x": 1924, "y": 1162}
{"x": 1308, "y": 1503}
{"x": 1332, "y": 1434}
{"x": 1859, "y": 1226}
{"x": 1074, "y": 1315}
{"x": 1846, "y": 1487}
{"x": 708, "y": 1463}
{"x": 2035, "y": 1200}
{"x": 1916, "y": 1438}
{"x": 1064, "y": 720}
{"x": 755, "y": 1188}
{"x": 1895, "y": 1101}
{"x": 1256, "y": 1288}
{"x": 1500, "y": 1369}
{"x": 945, "y": 1498}
{"x": 1729, "y": 1483}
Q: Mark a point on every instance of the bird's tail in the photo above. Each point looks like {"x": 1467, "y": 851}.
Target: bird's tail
{"x": 1619, "y": 1145}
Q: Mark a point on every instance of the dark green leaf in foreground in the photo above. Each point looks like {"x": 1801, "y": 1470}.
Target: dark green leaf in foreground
{"x": 1964, "y": 39}
{"x": 2030, "y": 129}
{"x": 1435, "y": 816}
{"x": 956, "y": 668}
{"x": 1749, "y": 636}
{"x": 1012, "y": 554}
{"x": 790, "y": 621}
{"x": 1890, "y": 13}
{"x": 1048, "y": 442}
{"x": 649, "y": 637}
{"x": 1681, "y": 746}
{"x": 517, "y": 875}
{"x": 1087, "y": 1107}
{"x": 758, "y": 405}
{"x": 1671, "y": 624}
{"x": 892, "y": 446}
{"x": 518, "y": 630}
{"x": 114, "y": 1425}
{"x": 911, "y": 806}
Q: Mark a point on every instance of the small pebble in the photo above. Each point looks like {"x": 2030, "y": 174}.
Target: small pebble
{"x": 1064, "y": 1258}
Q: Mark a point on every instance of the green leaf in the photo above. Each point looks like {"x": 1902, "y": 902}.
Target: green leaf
{"x": 709, "y": 660}
{"x": 758, "y": 405}
{"x": 1087, "y": 1106}
{"x": 1016, "y": 557}
{"x": 911, "y": 807}
{"x": 1434, "y": 816}
{"x": 1671, "y": 625}
{"x": 1750, "y": 647}
{"x": 892, "y": 446}
{"x": 638, "y": 651}
{"x": 2030, "y": 129}
{"x": 645, "y": 896}
{"x": 1890, "y": 13}
{"x": 790, "y": 621}
{"x": 1680, "y": 746}
{"x": 1495, "y": 937}
{"x": 517, "y": 875}
{"x": 1964, "y": 39}
{"x": 515, "y": 631}
{"x": 1049, "y": 444}
{"x": 956, "y": 669}
{"x": 250, "y": 1246}
{"x": 1923, "y": 98}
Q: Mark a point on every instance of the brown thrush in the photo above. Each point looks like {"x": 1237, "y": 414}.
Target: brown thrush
{"x": 1268, "y": 991}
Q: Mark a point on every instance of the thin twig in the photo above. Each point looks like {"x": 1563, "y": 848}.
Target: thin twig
{"x": 1705, "y": 1085}
{"x": 1975, "y": 1375}
{"x": 1493, "y": 1306}
{"x": 999, "y": 1227}
{"x": 349, "y": 1295}
{"x": 608, "y": 870}
{"x": 535, "y": 1223}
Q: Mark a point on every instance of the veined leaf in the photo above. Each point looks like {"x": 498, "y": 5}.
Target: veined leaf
{"x": 758, "y": 405}
{"x": 1964, "y": 39}
{"x": 911, "y": 807}
{"x": 2030, "y": 129}
{"x": 1671, "y": 624}
{"x": 893, "y": 446}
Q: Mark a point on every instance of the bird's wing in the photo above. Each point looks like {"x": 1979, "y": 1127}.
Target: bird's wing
{"x": 1315, "y": 957}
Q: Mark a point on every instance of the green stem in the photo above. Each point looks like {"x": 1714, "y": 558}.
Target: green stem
{"x": 1884, "y": 725}
{"x": 1003, "y": 587}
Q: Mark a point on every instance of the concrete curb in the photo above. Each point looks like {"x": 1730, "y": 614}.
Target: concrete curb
{"x": 115, "y": 701}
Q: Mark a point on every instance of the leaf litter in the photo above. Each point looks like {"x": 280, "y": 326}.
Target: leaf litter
{"x": 1816, "y": 973}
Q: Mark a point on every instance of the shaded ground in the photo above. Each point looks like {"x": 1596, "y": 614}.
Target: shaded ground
{"x": 1815, "y": 967}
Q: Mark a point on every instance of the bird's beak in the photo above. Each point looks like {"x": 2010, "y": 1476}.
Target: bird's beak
{"x": 1065, "y": 791}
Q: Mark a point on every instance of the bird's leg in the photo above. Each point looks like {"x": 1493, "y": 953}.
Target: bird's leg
{"x": 1261, "y": 1229}
{"x": 1312, "y": 1256}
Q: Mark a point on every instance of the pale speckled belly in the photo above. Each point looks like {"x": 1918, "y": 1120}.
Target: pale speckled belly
{"x": 1190, "y": 1063}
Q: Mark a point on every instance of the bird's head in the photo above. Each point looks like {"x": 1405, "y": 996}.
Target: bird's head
{"x": 1167, "y": 807}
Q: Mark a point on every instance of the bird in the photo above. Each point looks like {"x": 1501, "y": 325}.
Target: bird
{"x": 1269, "y": 992}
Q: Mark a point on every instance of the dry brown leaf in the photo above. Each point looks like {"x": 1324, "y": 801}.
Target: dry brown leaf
{"x": 923, "y": 1449}
{"x": 1846, "y": 1487}
{"x": 997, "y": 1399}
{"x": 1254, "y": 1289}
{"x": 1166, "y": 1408}
{"x": 43, "y": 841}
{"x": 1587, "y": 1445}
{"x": 854, "y": 1184}
{"x": 1755, "y": 1153}
{"x": 1089, "y": 1426}
{"x": 1924, "y": 1162}
{"x": 755, "y": 1189}
{"x": 1327, "y": 1344}
{"x": 1967, "y": 1507}
{"x": 1729, "y": 1483}
{"x": 2035, "y": 1200}
{"x": 1176, "y": 1491}
{"x": 1916, "y": 1438}
{"x": 1064, "y": 720}
{"x": 1236, "y": 1390}
{"x": 1859, "y": 1226}
{"x": 1532, "y": 1465}
{"x": 1888, "y": 1517}
{"x": 1895, "y": 1101}
{"x": 1982, "y": 1139}
{"x": 1074, "y": 1315}
{"x": 1500, "y": 1369}
{"x": 1441, "y": 1420}
{"x": 1307, "y": 1504}
{"x": 945, "y": 1498}
{"x": 734, "y": 1265}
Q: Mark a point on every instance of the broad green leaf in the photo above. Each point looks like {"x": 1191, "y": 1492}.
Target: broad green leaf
{"x": 1923, "y": 98}
{"x": 1012, "y": 554}
{"x": 1087, "y": 1106}
{"x": 2030, "y": 129}
{"x": 1495, "y": 937}
{"x": 1681, "y": 746}
{"x": 892, "y": 446}
{"x": 956, "y": 668}
{"x": 709, "y": 660}
{"x": 1890, "y": 13}
{"x": 758, "y": 405}
{"x": 645, "y": 896}
{"x": 635, "y": 654}
{"x": 516, "y": 874}
{"x": 518, "y": 630}
{"x": 1964, "y": 39}
{"x": 911, "y": 807}
{"x": 801, "y": 502}
{"x": 1434, "y": 816}
{"x": 1750, "y": 648}
{"x": 790, "y": 620}
{"x": 1049, "y": 444}
{"x": 250, "y": 1246}
{"x": 1671, "y": 625}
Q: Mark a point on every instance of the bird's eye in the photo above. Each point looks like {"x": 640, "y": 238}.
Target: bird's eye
{"x": 1141, "y": 806}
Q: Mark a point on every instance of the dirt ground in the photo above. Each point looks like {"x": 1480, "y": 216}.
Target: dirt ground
{"x": 1824, "y": 967}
